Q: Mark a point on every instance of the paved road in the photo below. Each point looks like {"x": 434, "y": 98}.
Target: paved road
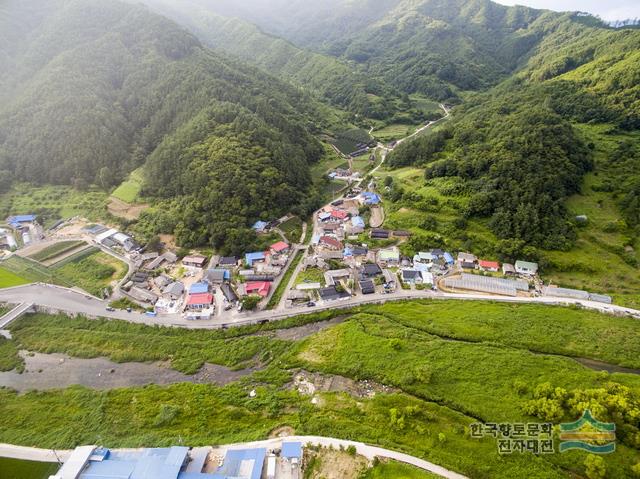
{"x": 53, "y": 298}
{"x": 366, "y": 450}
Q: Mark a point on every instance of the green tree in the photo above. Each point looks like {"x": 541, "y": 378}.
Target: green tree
{"x": 595, "y": 467}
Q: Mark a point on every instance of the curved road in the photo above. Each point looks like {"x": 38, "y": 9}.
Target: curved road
{"x": 366, "y": 450}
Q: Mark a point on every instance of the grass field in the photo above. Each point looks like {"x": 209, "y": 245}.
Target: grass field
{"x": 310, "y": 275}
{"x": 57, "y": 249}
{"x": 394, "y": 131}
{"x": 53, "y": 203}
{"x": 18, "y": 469}
{"x": 451, "y": 364}
{"x": 9, "y": 279}
{"x": 129, "y": 190}
{"x": 292, "y": 229}
{"x": 91, "y": 270}
{"x": 347, "y": 141}
{"x": 396, "y": 470}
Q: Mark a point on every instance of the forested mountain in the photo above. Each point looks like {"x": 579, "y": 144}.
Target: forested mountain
{"x": 515, "y": 146}
{"x": 341, "y": 83}
{"x": 439, "y": 48}
{"x": 93, "y": 89}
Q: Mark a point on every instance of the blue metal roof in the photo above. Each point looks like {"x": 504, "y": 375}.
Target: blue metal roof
{"x": 259, "y": 225}
{"x": 371, "y": 198}
{"x": 291, "y": 450}
{"x": 448, "y": 258}
{"x": 198, "y": 288}
{"x": 21, "y": 219}
{"x": 158, "y": 463}
{"x": 357, "y": 221}
{"x": 235, "y": 459}
{"x": 251, "y": 257}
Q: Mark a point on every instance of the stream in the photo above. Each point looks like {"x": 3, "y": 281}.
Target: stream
{"x": 55, "y": 371}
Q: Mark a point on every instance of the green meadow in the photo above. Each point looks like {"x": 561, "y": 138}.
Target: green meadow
{"x": 446, "y": 365}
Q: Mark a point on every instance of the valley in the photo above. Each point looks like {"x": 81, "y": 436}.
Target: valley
{"x": 339, "y": 239}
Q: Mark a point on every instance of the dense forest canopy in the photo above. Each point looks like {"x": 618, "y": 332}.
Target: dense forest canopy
{"x": 97, "y": 89}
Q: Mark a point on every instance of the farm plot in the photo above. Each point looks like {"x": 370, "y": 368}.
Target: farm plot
{"x": 91, "y": 269}
{"x": 350, "y": 141}
{"x": 57, "y": 252}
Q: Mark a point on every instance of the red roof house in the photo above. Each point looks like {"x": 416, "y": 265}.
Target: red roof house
{"x": 330, "y": 242}
{"x": 279, "y": 247}
{"x": 200, "y": 300}
{"x": 489, "y": 265}
{"x": 258, "y": 287}
{"x": 339, "y": 214}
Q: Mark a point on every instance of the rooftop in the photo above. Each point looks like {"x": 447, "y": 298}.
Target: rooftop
{"x": 201, "y": 298}
{"x": 280, "y": 246}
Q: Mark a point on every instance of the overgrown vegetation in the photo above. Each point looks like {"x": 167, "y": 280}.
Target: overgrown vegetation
{"x": 452, "y": 362}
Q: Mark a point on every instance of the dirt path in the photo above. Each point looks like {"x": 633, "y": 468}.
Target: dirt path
{"x": 377, "y": 217}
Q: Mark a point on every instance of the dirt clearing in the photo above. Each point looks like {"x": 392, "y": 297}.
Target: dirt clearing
{"x": 124, "y": 210}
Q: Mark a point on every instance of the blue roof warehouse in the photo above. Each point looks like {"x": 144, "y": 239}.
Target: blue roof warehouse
{"x": 89, "y": 462}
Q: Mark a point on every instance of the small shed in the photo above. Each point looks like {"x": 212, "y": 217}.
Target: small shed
{"x": 291, "y": 451}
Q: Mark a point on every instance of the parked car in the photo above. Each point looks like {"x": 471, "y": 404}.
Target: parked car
{"x": 110, "y": 309}
{"x": 310, "y": 304}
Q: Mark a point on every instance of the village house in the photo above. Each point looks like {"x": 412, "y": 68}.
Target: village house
{"x": 328, "y": 255}
{"x": 260, "y": 226}
{"x": 162, "y": 281}
{"x": 412, "y": 276}
{"x": 339, "y": 215}
{"x": 332, "y": 293}
{"x": 330, "y": 228}
{"x": 389, "y": 256}
{"x": 217, "y": 276}
{"x": 260, "y": 288}
{"x": 466, "y": 260}
{"x": 335, "y": 276}
{"x": 368, "y": 198}
{"x": 367, "y": 287}
{"x": 526, "y": 268}
{"x": 173, "y": 290}
{"x": 423, "y": 258}
{"x": 200, "y": 301}
{"x": 194, "y": 261}
{"x": 369, "y": 271}
{"x": 490, "y": 266}
{"x": 199, "y": 288}
{"x": 279, "y": 248}
{"x": 229, "y": 293}
{"x": 143, "y": 295}
{"x": 257, "y": 257}
{"x": 377, "y": 233}
{"x": 228, "y": 262}
{"x": 508, "y": 269}
{"x": 331, "y": 243}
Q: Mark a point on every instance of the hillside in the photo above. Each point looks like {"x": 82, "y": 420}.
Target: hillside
{"x": 97, "y": 89}
{"x": 340, "y": 83}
